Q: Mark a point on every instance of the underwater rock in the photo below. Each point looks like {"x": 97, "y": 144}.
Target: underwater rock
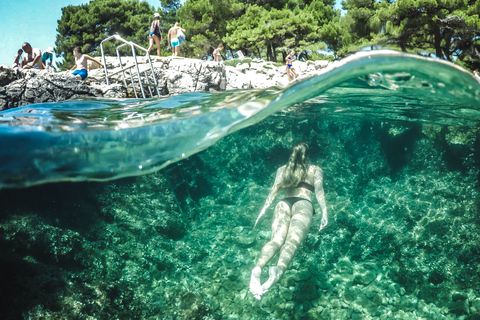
{"x": 192, "y": 306}
{"x": 475, "y": 308}
{"x": 302, "y": 275}
{"x": 459, "y": 296}
{"x": 458, "y": 307}
{"x": 244, "y": 238}
{"x": 364, "y": 279}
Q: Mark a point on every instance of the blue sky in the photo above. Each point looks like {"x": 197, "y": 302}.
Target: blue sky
{"x": 35, "y": 22}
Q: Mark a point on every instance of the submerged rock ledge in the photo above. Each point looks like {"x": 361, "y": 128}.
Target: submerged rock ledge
{"x": 174, "y": 76}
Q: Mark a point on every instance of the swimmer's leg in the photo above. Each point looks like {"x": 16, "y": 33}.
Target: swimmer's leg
{"x": 299, "y": 226}
{"x": 280, "y": 226}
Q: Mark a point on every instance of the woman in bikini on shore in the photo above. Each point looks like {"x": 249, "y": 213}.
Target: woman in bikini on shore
{"x": 155, "y": 35}
{"x": 216, "y": 53}
{"x": 289, "y": 64}
{"x": 293, "y": 215}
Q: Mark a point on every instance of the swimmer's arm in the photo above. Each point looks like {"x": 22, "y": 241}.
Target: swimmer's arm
{"x": 320, "y": 195}
{"x": 273, "y": 194}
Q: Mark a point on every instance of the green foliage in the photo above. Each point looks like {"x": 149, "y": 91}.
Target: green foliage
{"x": 448, "y": 28}
{"x": 265, "y": 30}
{"x": 169, "y": 11}
{"x": 270, "y": 28}
{"x": 206, "y": 23}
{"x": 261, "y": 28}
{"x": 87, "y": 25}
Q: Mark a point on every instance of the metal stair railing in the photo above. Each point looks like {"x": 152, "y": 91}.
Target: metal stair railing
{"x": 133, "y": 46}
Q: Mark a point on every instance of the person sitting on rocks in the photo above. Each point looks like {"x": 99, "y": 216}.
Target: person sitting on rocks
{"x": 47, "y": 58}
{"x": 80, "y": 66}
{"x": 18, "y": 56}
{"x": 32, "y": 58}
{"x": 293, "y": 215}
{"x": 216, "y": 53}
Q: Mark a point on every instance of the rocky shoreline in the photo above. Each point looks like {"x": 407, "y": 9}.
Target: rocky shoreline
{"x": 174, "y": 76}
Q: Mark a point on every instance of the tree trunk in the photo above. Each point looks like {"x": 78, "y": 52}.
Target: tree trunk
{"x": 446, "y": 49}
{"x": 437, "y": 44}
{"x": 284, "y": 56}
{"x": 271, "y": 53}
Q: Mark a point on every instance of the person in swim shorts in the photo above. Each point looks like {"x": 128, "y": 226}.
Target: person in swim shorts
{"x": 289, "y": 63}
{"x": 173, "y": 38}
{"x": 80, "y": 66}
{"x": 32, "y": 58}
{"x": 293, "y": 215}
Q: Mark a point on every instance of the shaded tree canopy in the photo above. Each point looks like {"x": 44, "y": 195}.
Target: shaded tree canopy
{"x": 87, "y": 25}
{"x": 169, "y": 11}
{"x": 206, "y": 23}
{"x": 259, "y": 27}
{"x": 450, "y": 29}
{"x": 290, "y": 27}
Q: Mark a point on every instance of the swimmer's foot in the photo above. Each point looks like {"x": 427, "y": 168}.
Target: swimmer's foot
{"x": 273, "y": 277}
{"x": 255, "y": 286}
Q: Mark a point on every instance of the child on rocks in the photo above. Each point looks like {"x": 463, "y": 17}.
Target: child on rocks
{"x": 80, "y": 66}
{"x": 18, "y": 57}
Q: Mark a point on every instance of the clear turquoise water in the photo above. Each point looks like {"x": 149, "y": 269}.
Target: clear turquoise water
{"x": 397, "y": 138}
{"x": 102, "y": 140}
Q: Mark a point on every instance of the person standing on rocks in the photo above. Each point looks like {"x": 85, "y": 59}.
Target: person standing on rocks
{"x": 289, "y": 63}
{"x": 216, "y": 53}
{"x": 155, "y": 33}
{"x": 476, "y": 74}
{"x": 81, "y": 61}
{"x": 293, "y": 215}
{"x": 32, "y": 58}
{"x": 176, "y": 37}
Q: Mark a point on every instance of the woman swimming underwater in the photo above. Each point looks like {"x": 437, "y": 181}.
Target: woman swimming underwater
{"x": 293, "y": 215}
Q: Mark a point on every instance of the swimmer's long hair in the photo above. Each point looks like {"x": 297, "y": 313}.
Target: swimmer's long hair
{"x": 296, "y": 169}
